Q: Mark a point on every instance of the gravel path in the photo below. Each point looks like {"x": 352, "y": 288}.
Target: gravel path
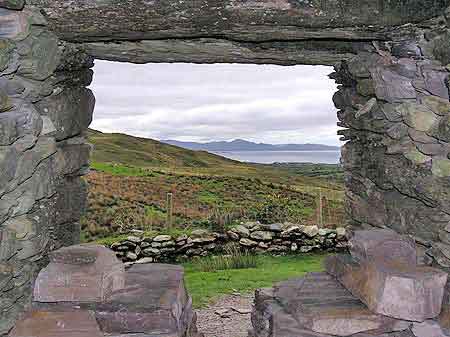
{"x": 229, "y": 316}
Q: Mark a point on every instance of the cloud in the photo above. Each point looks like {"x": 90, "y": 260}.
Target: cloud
{"x": 216, "y": 102}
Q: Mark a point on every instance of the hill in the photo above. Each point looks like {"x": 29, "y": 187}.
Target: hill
{"x": 133, "y": 177}
{"x": 128, "y": 150}
{"x": 244, "y": 145}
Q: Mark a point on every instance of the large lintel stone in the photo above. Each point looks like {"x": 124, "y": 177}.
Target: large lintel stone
{"x": 241, "y": 20}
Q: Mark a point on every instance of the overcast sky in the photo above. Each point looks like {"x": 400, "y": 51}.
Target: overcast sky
{"x": 189, "y": 102}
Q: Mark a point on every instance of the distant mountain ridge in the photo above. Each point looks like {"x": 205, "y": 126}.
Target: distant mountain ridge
{"x": 244, "y": 145}
{"x": 143, "y": 152}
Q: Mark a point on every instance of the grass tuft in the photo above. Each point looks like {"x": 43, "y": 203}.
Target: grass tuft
{"x": 235, "y": 258}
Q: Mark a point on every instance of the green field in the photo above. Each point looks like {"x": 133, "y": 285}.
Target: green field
{"x": 132, "y": 179}
{"x": 206, "y": 286}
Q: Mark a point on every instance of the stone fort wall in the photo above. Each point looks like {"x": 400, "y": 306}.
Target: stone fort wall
{"x": 392, "y": 63}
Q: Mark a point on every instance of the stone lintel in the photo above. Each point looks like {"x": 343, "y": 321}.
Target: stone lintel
{"x": 239, "y": 20}
{"x": 214, "y": 50}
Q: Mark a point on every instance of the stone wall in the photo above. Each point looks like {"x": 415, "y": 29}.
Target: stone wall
{"x": 44, "y": 111}
{"x": 275, "y": 239}
{"x": 393, "y": 69}
{"x": 394, "y": 104}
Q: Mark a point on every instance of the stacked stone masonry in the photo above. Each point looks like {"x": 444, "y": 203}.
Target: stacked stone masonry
{"x": 85, "y": 291}
{"x": 367, "y": 293}
{"x": 275, "y": 239}
{"x": 392, "y": 63}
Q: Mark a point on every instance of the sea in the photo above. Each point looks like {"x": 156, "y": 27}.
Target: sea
{"x": 270, "y": 157}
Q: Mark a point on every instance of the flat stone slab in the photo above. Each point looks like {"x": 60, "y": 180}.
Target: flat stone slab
{"x": 383, "y": 245}
{"x": 78, "y": 255}
{"x": 318, "y": 306}
{"x": 57, "y": 324}
{"x": 82, "y": 273}
{"x": 154, "y": 302}
{"x": 402, "y": 291}
{"x": 319, "y": 303}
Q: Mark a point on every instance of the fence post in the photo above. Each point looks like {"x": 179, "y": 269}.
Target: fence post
{"x": 320, "y": 208}
{"x": 169, "y": 208}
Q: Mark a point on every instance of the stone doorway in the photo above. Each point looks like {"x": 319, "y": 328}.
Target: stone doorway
{"x": 391, "y": 60}
{"x": 213, "y": 102}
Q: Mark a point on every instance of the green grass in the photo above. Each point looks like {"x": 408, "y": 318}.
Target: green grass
{"x": 208, "y": 198}
{"x": 149, "y": 156}
{"x": 206, "y": 286}
{"x": 108, "y": 241}
{"x": 122, "y": 170}
{"x": 124, "y": 149}
{"x": 132, "y": 176}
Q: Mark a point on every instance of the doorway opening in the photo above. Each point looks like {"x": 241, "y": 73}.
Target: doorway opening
{"x": 222, "y": 168}
{"x": 179, "y": 147}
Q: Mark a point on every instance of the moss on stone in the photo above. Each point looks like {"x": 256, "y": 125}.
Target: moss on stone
{"x": 5, "y": 102}
{"x": 12, "y": 4}
{"x": 441, "y": 167}
{"x": 365, "y": 87}
{"x": 418, "y": 116}
{"x": 5, "y": 53}
{"x": 417, "y": 157}
{"x": 44, "y": 56}
{"x": 437, "y": 104}
{"x": 441, "y": 48}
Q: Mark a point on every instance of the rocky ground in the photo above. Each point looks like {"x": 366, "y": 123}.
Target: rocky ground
{"x": 229, "y": 316}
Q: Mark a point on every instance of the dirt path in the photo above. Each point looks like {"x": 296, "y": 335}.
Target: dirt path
{"x": 229, "y": 316}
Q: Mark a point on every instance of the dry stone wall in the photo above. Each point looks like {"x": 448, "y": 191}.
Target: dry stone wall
{"x": 394, "y": 104}
{"x": 44, "y": 111}
{"x": 275, "y": 239}
{"x": 392, "y": 65}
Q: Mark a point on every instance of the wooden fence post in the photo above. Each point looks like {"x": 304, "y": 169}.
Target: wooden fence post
{"x": 169, "y": 208}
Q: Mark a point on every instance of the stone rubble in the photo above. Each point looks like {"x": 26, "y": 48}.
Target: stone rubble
{"x": 372, "y": 292}
{"x": 253, "y": 236}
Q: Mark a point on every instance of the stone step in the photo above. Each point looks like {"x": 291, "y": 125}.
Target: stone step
{"x": 282, "y": 312}
{"x": 402, "y": 291}
{"x": 57, "y": 324}
{"x": 322, "y": 305}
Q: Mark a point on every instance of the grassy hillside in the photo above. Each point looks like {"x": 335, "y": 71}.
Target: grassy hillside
{"x": 132, "y": 177}
{"x": 142, "y": 152}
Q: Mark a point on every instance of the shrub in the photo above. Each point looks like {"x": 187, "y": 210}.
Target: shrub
{"x": 274, "y": 208}
{"x": 221, "y": 218}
